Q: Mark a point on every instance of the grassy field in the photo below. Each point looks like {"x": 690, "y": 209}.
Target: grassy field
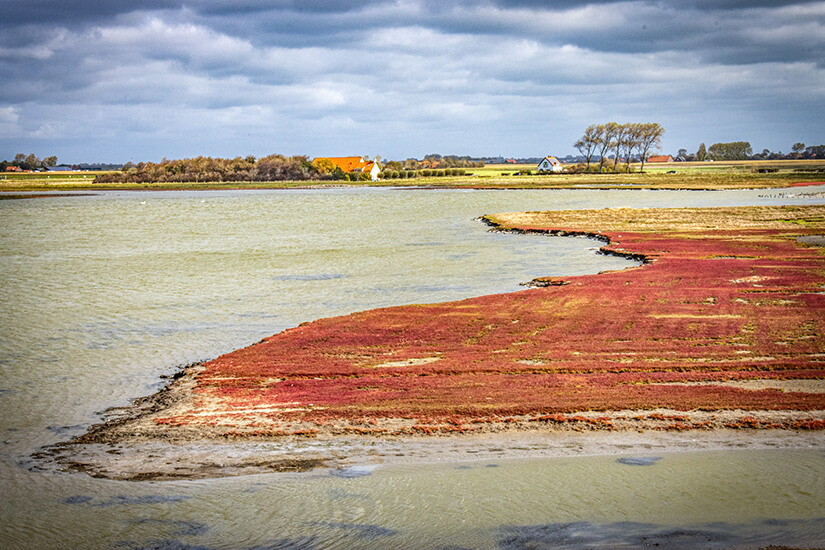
{"x": 745, "y": 166}
{"x": 674, "y": 175}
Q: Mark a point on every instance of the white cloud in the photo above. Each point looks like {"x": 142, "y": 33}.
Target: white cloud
{"x": 470, "y": 78}
{"x": 9, "y": 118}
{"x": 36, "y": 52}
{"x": 9, "y": 114}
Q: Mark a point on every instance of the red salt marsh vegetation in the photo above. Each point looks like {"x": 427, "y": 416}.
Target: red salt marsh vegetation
{"x": 723, "y": 326}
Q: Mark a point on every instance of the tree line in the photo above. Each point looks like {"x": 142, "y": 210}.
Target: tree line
{"x": 433, "y": 162}
{"x": 208, "y": 169}
{"x": 599, "y": 140}
{"x": 29, "y": 162}
{"x": 274, "y": 168}
{"x": 742, "y": 150}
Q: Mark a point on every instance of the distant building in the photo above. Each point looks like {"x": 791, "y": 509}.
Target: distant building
{"x": 355, "y": 164}
{"x": 13, "y": 169}
{"x": 549, "y": 164}
{"x": 660, "y": 158}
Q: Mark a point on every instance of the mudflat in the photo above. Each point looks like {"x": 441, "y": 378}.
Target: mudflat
{"x": 716, "y": 340}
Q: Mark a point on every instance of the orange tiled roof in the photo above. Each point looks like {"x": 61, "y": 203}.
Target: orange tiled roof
{"x": 348, "y": 164}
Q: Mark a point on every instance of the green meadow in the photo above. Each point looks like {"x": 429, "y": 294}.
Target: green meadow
{"x": 672, "y": 175}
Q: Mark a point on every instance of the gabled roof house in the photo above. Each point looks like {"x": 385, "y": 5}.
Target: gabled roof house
{"x": 549, "y": 164}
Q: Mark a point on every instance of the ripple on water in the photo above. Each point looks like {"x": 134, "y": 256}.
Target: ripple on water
{"x": 637, "y": 535}
{"x": 77, "y": 499}
{"x": 639, "y": 460}
{"x": 311, "y": 277}
{"x": 364, "y": 531}
{"x": 353, "y": 471}
{"x": 122, "y": 500}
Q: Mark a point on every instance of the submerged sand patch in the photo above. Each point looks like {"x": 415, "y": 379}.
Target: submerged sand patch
{"x": 158, "y": 459}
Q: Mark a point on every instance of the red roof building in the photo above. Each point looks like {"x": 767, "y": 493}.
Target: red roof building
{"x": 355, "y": 164}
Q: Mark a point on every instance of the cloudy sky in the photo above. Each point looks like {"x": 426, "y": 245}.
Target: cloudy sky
{"x": 118, "y": 80}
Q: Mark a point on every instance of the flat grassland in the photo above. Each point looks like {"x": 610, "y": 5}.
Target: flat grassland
{"x": 672, "y": 175}
{"x": 688, "y": 175}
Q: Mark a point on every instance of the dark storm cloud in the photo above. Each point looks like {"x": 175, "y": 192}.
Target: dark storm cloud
{"x": 725, "y": 32}
{"x": 413, "y": 76}
{"x": 717, "y": 5}
{"x": 317, "y": 7}
{"x": 712, "y": 5}
{"x": 63, "y": 12}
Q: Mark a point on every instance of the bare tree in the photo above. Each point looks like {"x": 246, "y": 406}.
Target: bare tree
{"x": 623, "y": 139}
{"x": 650, "y": 137}
{"x": 608, "y": 136}
{"x": 588, "y": 142}
{"x": 619, "y": 143}
{"x": 632, "y": 141}
{"x": 628, "y": 138}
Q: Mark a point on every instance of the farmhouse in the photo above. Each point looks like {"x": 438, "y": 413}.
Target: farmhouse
{"x": 549, "y": 164}
{"x": 355, "y": 164}
{"x": 660, "y": 158}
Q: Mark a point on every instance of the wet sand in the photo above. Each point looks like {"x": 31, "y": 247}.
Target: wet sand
{"x": 131, "y": 446}
{"x": 156, "y": 459}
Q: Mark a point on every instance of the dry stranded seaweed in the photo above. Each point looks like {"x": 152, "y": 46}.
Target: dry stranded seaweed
{"x": 725, "y": 295}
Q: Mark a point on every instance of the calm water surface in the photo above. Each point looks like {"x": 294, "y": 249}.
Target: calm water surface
{"x": 100, "y": 295}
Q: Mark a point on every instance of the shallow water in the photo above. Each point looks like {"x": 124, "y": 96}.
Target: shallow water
{"x": 101, "y": 295}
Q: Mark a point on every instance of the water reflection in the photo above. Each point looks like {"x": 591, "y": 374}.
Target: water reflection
{"x": 634, "y": 535}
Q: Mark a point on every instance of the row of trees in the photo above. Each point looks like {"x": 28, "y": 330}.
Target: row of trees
{"x": 270, "y": 168}
{"x": 275, "y": 168}
{"x": 622, "y": 140}
{"x": 734, "y": 150}
{"x": 799, "y": 151}
{"x": 433, "y": 162}
{"x": 29, "y": 162}
{"x": 426, "y": 173}
{"x": 742, "y": 150}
